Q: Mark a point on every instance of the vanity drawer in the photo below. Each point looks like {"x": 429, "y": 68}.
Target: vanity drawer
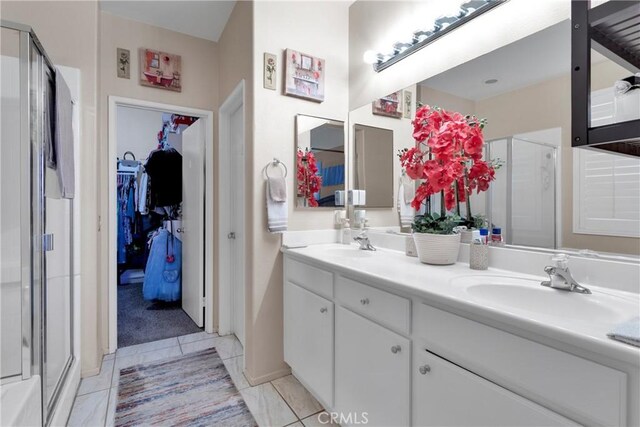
{"x": 312, "y": 278}
{"x": 386, "y": 308}
{"x": 578, "y": 388}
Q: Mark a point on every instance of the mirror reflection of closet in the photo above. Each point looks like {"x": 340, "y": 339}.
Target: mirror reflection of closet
{"x": 320, "y": 161}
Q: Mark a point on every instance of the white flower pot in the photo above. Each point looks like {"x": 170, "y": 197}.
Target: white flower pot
{"x": 439, "y": 249}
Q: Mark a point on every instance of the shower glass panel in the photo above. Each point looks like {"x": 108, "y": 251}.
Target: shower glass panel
{"x": 522, "y": 199}
{"x": 533, "y": 208}
{"x": 11, "y": 220}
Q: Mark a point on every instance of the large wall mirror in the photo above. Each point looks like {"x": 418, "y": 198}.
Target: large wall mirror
{"x": 546, "y": 194}
{"x": 320, "y": 161}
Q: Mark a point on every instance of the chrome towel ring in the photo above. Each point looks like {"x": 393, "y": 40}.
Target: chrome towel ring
{"x": 275, "y": 163}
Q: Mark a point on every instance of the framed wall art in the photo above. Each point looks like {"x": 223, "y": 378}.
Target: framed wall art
{"x": 304, "y": 76}
{"x": 123, "y": 58}
{"x": 160, "y": 69}
{"x": 389, "y": 105}
{"x": 270, "y": 71}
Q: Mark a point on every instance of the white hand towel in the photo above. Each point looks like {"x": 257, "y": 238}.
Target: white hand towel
{"x": 278, "y": 189}
{"x": 64, "y": 137}
{"x": 407, "y": 213}
{"x": 277, "y": 213}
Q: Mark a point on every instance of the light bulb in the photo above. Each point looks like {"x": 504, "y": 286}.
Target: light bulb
{"x": 370, "y": 57}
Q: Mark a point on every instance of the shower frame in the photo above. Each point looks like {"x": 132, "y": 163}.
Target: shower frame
{"x": 34, "y": 242}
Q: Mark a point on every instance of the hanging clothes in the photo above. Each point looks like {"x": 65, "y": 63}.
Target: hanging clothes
{"x": 125, "y": 212}
{"x": 164, "y": 168}
{"x": 163, "y": 273}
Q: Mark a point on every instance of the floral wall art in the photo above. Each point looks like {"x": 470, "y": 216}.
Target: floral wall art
{"x": 270, "y": 71}
{"x": 304, "y": 76}
{"x": 160, "y": 69}
{"x": 123, "y": 57}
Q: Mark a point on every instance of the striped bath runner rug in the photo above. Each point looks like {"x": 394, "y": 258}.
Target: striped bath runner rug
{"x": 191, "y": 390}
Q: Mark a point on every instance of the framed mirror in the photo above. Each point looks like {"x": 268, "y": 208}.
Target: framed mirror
{"x": 545, "y": 194}
{"x": 320, "y": 161}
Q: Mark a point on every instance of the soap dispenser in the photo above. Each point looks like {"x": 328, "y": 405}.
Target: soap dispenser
{"x": 345, "y": 233}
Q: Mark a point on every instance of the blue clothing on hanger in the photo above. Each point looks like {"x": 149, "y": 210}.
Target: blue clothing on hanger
{"x": 163, "y": 279}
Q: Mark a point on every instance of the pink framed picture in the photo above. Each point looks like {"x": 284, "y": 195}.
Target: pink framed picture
{"x": 160, "y": 69}
{"x": 304, "y": 76}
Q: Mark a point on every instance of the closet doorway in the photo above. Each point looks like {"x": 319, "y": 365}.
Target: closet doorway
{"x": 159, "y": 203}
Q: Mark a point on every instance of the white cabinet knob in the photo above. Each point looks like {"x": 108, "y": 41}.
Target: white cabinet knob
{"x": 395, "y": 349}
{"x": 364, "y": 301}
{"x": 424, "y": 369}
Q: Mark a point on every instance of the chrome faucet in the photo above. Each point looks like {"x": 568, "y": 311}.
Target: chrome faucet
{"x": 560, "y": 276}
{"x": 364, "y": 242}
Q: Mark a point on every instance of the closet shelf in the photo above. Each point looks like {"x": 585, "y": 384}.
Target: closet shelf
{"x": 615, "y": 25}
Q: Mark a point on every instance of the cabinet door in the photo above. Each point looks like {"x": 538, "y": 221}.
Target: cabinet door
{"x": 308, "y": 339}
{"x": 372, "y": 372}
{"x": 447, "y": 395}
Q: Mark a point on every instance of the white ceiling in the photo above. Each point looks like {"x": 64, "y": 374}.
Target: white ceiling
{"x": 536, "y": 58}
{"x": 204, "y": 18}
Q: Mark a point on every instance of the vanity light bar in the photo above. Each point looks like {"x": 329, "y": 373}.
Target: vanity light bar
{"x": 421, "y": 38}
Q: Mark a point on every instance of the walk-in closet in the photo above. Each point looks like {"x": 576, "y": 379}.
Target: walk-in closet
{"x": 150, "y": 204}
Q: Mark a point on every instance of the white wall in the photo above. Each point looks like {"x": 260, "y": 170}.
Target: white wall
{"x": 318, "y": 28}
{"x": 137, "y": 131}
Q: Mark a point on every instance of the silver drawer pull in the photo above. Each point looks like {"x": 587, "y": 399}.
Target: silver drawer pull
{"x": 323, "y": 310}
{"x": 364, "y": 301}
{"x": 395, "y": 349}
{"x": 424, "y": 369}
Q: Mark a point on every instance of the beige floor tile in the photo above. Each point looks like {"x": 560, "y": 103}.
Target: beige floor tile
{"x": 102, "y": 381}
{"x": 89, "y": 409}
{"x": 235, "y": 366}
{"x": 296, "y": 396}
{"x": 321, "y": 419}
{"x": 145, "y": 347}
{"x": 227, "y": 346}
{"x": 111, "y": 407}
{"x": 267, "y": 406}
{"x": 198, "y": 336}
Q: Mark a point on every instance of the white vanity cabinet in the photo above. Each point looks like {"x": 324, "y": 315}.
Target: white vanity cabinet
{"x": 308, "y": 338}
{"x": 372, "y": 371}
{"x": 445, "y": 394}
{"x": 374, "y": 353}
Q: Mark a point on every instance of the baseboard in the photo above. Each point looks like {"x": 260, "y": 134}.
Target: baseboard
{"x": 266, "y": 378}
{"x": 90, "y": 372}
{"x": 67, "y": 396}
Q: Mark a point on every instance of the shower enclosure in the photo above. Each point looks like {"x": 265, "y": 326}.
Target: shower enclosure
{"x": 522, "y": 199}
{"x": 36, "y": 239}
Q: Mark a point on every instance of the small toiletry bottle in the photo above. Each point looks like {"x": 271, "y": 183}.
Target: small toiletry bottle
{"x": 346, "y": 233}
{"x": 496, "y": 237}
{"x": 484, "y": 236}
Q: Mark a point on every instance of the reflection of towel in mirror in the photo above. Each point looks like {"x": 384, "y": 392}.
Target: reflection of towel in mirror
{"x": 406, "y": 211}
{"x": 277, "y": 211}
{"x": 278, "y": 189}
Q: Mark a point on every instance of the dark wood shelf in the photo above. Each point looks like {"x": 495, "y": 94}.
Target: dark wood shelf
{"x": 613, "y": 29}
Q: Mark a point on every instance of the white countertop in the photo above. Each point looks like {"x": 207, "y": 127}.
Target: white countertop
{"x": 394, "y": 270}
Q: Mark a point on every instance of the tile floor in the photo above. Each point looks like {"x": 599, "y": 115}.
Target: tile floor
{"x": 279, "y": 403}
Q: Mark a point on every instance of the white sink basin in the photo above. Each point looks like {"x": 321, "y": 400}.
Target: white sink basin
{"x": 352, "y": 251}
{"x": 528, "y": 296}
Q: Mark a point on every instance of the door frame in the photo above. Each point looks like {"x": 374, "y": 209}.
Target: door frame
{"x": 112, "y": 229}
{"x": 225, "y": 290}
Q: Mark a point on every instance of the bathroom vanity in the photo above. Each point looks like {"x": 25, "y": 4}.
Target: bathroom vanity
{"x": 411, "y": 344}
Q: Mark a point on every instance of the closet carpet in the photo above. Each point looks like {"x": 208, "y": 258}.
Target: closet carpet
{"x": 141, "y": 321}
